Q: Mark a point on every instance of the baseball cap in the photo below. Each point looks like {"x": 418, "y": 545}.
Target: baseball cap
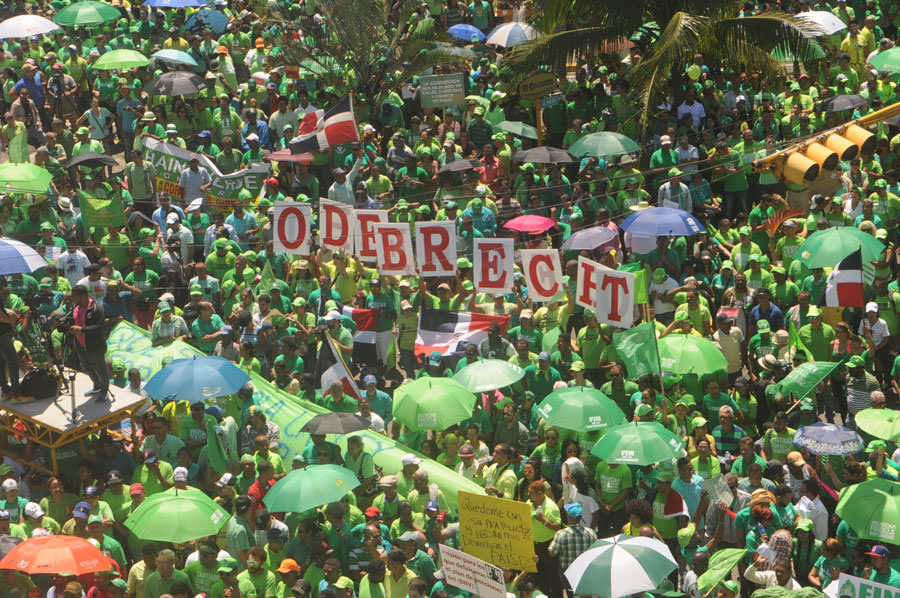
{"x": 432, "y": 505}
{"x": 180, "y": 474}
{"x": 575, "y": 510}
{"x": 373, "y": 512}
{"x": 856, "y": 361}
{"x": 408, "y": 459}
{"x": 435, "y": 358}
{"x": 466, "y": 450}
{"x": 135, "y": 489}
{"x": 686, "y": 534}
{"x": 763, "y": 326}
{"x": 227, "y": 565}
{"x": 114, "y": 477}
{"x": 871, "y": 306}
{"x": 34, "y": 510}
{"x": 288, "y": 566}
{"x": 813, "y": 312}
{"x": 879, "y": 550}
{"x": 544, "y": 356}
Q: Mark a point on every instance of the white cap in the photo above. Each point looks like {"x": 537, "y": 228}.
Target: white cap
{"x": 665, "y": 139}
{"x": 10, "y": 485}
{"x": 410, "y": 459}
{"x": 195, "y": 204}
{"x": 740, "y": 98}
{"x": 167, "y": 297}
{"x": 225, "y": 480}
{"x": 172, "y": 218}
{"x": 369, "y": 128}
{"x": 526, "y": 313}
{"x": 871, "y": 306}
{"x": 180, "y": 474}
{"x": 331, "y": 316}
{"x": 33, "y": 509}
{"x": 252, "y": 137}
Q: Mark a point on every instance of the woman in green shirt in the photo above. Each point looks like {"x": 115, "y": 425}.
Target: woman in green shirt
{"x": 360, "y": 463}
{"x": 59, "y": 504}
{"x": 143, "y": 306}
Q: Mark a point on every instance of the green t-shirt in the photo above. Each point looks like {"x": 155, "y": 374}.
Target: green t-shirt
{"x": 613, "y": 481}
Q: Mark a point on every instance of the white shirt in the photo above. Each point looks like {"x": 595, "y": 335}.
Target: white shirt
{"x": 696, "y": 110}
{"x": 767, "y": 579}
{"x": 375, "y": 421}
{"x": 815, "y": 510}
{"x": 730, "y": 346}
{"x": 879, "y": 331}
{"x": 661, "y": 307}
{"x": 98, "y": 288}
{"x": 689, "y": 153}
{"x": 72, "y": 265}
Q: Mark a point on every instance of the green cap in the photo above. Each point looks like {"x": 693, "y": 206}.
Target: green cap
{"x": 699, "y": 421}
{"x": 227, "y": 565}
{"x": 856, "y": 361}
{"x": 675, "y": 171}
{"x": 146, "y": 232}
{"x": 686, "y": 534}
{"x": 744, "y": 230}
{"x": 94, "y": 519}
{"x": 732, "y": 586}
{"x": 118, "y": 365}
{"x": 763, "y": 326}
{"x": 196, "y": 289}
{"x": 813, "y": 312}
{"x": 875, "y": 445}
{"x": 164, "y": 306}
{"x": 642, "y": 410}
{"x": 805, "y": 524}
{"x": 665, "y": 476}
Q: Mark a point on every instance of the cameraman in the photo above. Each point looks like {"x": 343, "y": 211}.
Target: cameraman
{"x": 9, "y": 358}
{"x": 90, "y": 342}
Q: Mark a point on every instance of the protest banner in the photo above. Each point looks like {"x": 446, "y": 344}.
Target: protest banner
{"x": 496, "y": 530}
{"x": 289, "y": 412}
{"x": 586, "y": 286}
{"x": 393, "y": 244}
{"x": 615, "y": 297}
{"x": 170, "y": 160}
{"x": 543, "y": 274}
{"x": 335, "y": 226}
{"x": 436, "y": 248}
{"x": 718, "y": 490}
{"x": 473, "y": 575}
{"x": 438, "y": 91}
{"x": 292, "y": 224}
{"x": 493, "y": 265}
{"x": 100, "y": 213}
{"x": 851, "y": 586}
{"x": 364, "y": 232}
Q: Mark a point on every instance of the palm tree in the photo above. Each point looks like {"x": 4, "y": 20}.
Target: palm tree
{"x": 685, "y": 28}
{"x": 359, "y": 41}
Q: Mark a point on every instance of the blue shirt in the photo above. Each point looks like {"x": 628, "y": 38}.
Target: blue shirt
{"x": 774, "y": 316}
{"x": 241, "y": 226}
{"x": 485, "y": 223}
{"x": 261, "y": 130}
{"x": 690, "y": 491}
{"x": 34, "y": 87}
{"x": 128, "y": 117}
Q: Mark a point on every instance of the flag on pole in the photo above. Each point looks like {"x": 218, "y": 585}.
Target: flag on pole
{"x": 331, "y": 368}
{"x": 796, "y": 342}
{"x": 451, "y": 331}
{"x": 844, "y": 286}
{"x": 100, "y": 213}
{"x": 367, "y": 336}
{"x": 321, "y": 129}
{"x": 638, "y": 351}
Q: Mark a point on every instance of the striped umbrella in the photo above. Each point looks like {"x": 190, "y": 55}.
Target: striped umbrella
{"x": 640, "y": 565}
{"x": 18, "y": 258}
{"x": 510, "y": 34}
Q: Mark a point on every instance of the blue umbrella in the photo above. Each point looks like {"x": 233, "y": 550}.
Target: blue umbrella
{"x": 175, "y": 3}
{"x": 828, "y": 439}
{"x": 214, "y": 19}
{"x": 655, "y": 222}
{"x": 18, "y": 258}
{"x": 466, "y": 32}
{"x": 175, "y": 57}
{"x": 196, "y": 379}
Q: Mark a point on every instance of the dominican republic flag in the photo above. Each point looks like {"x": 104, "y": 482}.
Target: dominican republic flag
{"x": 452, "y": 331}
{"x": 331, "y": 368}
{"x": 675, "y": 506}
{"x": 844, "y": 286}
{"x": 320, "y": 130}
{"x": 366, "y": 336}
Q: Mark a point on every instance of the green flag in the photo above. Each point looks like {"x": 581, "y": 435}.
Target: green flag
{"x": 100, "y": 213}
{"x": 637, "y": 348}
{"x": 218, "y": 460}
{"x": 720, "y": 566}
{"x": 549, "y": 341}
{"x": 640, "y": 281}
{"x": 804, "y": 378}
{"x": 266, "y": 279}
{"x": 795, "y": 341}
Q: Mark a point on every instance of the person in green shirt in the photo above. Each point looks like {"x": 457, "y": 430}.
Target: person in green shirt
{"x": 166, "y": 575}
{"x": 778, "y": 441}
{"x": 204, "y": 571}
{"x": 614, "y": 487}
{"x": 255, "y": 581}
{"x": 228, "y": 572}
{"x": 817, "y": 336}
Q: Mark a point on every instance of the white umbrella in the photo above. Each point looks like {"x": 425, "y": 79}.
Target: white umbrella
{"x": 18, "y": 258}
{"x": 823, "y": 20}
{"x": 620, "y": 566}
{"x": 26, "y": 26}
{"x": 510, "y": 34}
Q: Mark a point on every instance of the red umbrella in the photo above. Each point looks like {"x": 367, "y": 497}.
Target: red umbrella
{"x": 55, "y": 554}
{"x": 530, "y": 224}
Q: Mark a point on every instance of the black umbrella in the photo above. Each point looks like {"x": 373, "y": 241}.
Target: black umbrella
{"x": 893, "y": 121}
{"x": 842, "y": 102}
{"x": 460, "y": 166}
{"x": 335, "y": 423}
{"x": 7, "y": 543}
{"x": 91, "y": 161}
{"x": 178, "y": 83}
{"x": 544, "y": 155}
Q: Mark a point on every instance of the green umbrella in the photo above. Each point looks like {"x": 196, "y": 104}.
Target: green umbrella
{"x": 881, "y": 423}
{"x": 871, "y": 509}
{"x": 580, "y": 409}
{"x": 517, "y": 128}
{"x": 604, "y": 145}
{"x": 638, "y": 443}
{"x": 889, "y": 60}
{"x": 483, "y": 102}
{"x": 308, "y": 488}
{"x": 685, "y": 354}
{"x": 86, "y": 12}
{"x": 489, "y": 374}
{"x": 826, "y": 248}
{"x": 24, "y": 178}
{"x": 620, "y": 566}
{"x": 120, "y": 60}
{"x": 432, "y": 403}
{"x": 178, "y": 516}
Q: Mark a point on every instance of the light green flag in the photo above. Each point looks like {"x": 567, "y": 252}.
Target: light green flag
{"x": 266, "y": 278}
{"x": 795, "y": 341}
{"x": 640, "y": 281}
{"x": 637, "y": 349}
{"x": 720, "y": 566}
{"x": 218, "y": 460}
{"x": 100, "y": 213}
{"x": 804, "y": 378}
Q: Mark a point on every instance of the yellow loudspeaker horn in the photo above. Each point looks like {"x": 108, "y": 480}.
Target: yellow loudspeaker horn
{"x": 799, "y": 169}
{"x": 846, "y": 149}
{"x": 821, "y": 155}
{"x": 865, "y": 139}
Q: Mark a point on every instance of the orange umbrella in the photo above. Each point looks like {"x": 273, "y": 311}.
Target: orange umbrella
{"x": 55, "y": 554}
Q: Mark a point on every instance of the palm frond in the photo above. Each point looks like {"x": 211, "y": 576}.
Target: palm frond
{"x": 552, "y": 49}
{"x": 766, "y": 32}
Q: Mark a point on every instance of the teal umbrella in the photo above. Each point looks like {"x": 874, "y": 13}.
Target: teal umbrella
{"x": 826, "y": 248}
{"x": 86, "y": 12}
{"x": 308, "y": 488}
{"x": 517, "y": 128}
{"x": 638, "y": 443}
{"x": 604, "y": 145}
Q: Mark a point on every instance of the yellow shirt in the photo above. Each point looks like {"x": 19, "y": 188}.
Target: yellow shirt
{"x": 398, "y": 588}
{"x": 176, "y": 44}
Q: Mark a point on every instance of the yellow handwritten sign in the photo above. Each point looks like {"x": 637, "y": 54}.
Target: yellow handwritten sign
{"x": 496, "y": 530}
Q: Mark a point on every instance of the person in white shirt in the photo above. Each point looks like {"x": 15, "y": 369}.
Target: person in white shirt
{"x": 365, "y": 411}
{"x": 342, "y": 188}
{"x": 810, "y": 507}
{"x": 467, "y": 465}
{"x": 730, "y": 339}
{"x": 660, "y": 285}
{"x": 72, "y": 264}
{"x": 691, "y": 106}
{"x": 688, "y": 157}
{"x": 781, "y": 576}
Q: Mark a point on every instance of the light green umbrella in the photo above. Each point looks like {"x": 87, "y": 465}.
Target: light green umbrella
{"x": 871, "y": 509}
{"x": 889, "y": 60}
{"x": 517, "y": 128}
{"x": 620, "y": 566}
{"x": 86, "y": 12}
{"x": 826, "y": 248}
{"x": 178, "y": 516}
{"x": 483, "y": 102}
{"x": 120, "y": 60}
{"x": 686, "y": 354}
{"x": 881, "y": 423}
{"x": 24, "y": 178}
{"x": 638, "y": 443}
{"x": 432, "y": 403}
{"x": 580, "y": 409}
{"x": 489, "y": 374}
{"x": 308, "y": 488}
{"x": 604, "y": 145}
